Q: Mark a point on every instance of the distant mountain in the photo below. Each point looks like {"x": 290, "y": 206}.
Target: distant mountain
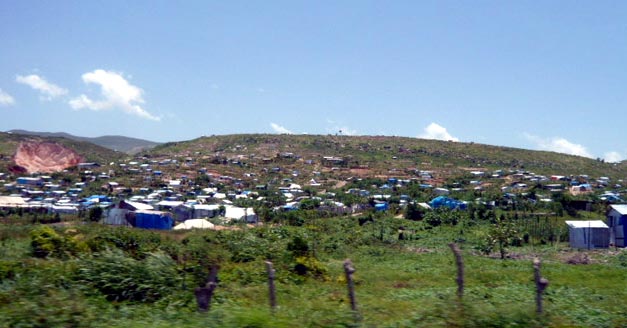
{"x": 118, "y": 143}
{"x": 89, "y": 152}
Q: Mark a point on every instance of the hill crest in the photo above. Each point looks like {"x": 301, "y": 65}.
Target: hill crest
{"x": 123, "y": 144}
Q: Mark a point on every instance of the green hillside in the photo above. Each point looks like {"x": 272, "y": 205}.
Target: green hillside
{"x": 380, "y": 153}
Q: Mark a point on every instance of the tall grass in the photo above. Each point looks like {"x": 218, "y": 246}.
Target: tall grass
{"x": 398, "y": 283}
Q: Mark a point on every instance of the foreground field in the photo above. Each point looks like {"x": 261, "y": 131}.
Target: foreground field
{"x": 89, "y": 275}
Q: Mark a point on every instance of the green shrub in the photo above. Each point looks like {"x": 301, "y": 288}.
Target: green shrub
{"x": 310, "y": 266}
{"x": 121, "y": 278}
{"x": 8, "y": 269}
{"x": 47, "y": 242}
{"x": 622, "y": 259}
{"x": 95, "y": 214}
{"x": 134, "y": 242}
{"x": 298, "y": 246}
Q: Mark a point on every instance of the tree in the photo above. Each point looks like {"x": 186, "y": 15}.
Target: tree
{"x": 503, "y": 234}
{"x": 414, "y": 212}
{"x": 95, "y": 214}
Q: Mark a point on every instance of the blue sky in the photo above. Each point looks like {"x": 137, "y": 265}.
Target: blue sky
{"x": 529, "y": 74}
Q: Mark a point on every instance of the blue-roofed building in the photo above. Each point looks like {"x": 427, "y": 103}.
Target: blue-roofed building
{"x": 617, "y": 221}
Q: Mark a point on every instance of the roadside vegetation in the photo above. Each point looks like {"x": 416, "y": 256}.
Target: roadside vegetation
{"x": 318, "y": 201}
{"x": 77, "y": 274}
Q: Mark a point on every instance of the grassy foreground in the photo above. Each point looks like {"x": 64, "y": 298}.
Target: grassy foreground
{"x": 88, "y": 275}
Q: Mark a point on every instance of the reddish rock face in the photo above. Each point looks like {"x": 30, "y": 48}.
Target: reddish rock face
{"x": 45, "y": 157}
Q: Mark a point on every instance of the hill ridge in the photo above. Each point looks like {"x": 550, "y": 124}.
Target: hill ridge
{"x": 120, "y": 143}
{"x": 392, "y": 151}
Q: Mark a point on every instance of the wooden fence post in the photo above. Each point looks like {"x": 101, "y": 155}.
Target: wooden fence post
{"x": 204, "y": 294}
{"x": 460, "y": 269}
{"x": 271, "y": 288}
{"x": 541, "y": 284}
{"x": 348, "y": 271}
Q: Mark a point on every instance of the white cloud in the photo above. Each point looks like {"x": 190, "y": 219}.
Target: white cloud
{"x": 613, "y": 157}
{"x": 558, "y": 144}
{"x": 116, "y": 92}
{"x": 437, "y": 132}
{"x": 48, "y": 90}
{"x": 280, "y": 129}
{"x": 346, "y": 131}
{"x": 6, "y": 99}
{"x": 335, "y": 127}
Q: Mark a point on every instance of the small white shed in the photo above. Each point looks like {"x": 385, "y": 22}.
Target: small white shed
{"x": 588, "y": 234}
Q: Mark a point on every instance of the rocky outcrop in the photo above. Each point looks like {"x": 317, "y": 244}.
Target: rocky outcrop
{"x": 45, "y": 157}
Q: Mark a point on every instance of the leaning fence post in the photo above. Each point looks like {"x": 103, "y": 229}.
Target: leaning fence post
{"x": 271, "y": 288}
{"x": 541, "y": 284}
{"x": 460, "y": 269}
{"x": 204, "y": 294}
{"x": 348, "y": 271}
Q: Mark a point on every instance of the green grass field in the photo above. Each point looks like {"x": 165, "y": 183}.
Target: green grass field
{"x": 98, "y": 276}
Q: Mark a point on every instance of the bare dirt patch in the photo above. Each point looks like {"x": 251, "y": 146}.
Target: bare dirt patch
{"x": 45, "y": 157}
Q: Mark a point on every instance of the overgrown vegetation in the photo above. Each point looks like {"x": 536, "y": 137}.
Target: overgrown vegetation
{"x": 69, "y": 271}
{"x": 96, "y": 276}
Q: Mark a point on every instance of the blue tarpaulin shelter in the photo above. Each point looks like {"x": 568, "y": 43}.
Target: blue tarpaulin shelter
{"x": 153, "y": 220}
{"x": 447, "y": 202}
{"x": 381, "y": 207}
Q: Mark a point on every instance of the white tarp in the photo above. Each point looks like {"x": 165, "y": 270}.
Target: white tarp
{"x": 12, "y": 201}
{"x": 241, "y": 214}
{"x": 194, "y": 224}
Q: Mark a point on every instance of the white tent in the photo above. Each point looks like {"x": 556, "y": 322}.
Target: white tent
{"x": 65, "y": 209}
{"x": 12, "y": 201}
{"x": 205, "y": 211}
{"x": 588, "y": 234}
{"x": 194, "y": 224}
{"x": 241, "y": 214}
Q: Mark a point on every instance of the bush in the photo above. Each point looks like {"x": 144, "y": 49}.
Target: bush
{"x": 134, "y": 242}
{"x": 46, "y": 242}
{"x": 310, "y": 266}
{"x": 121, "y": 278}
{"x": 414, "y": 212}
{"x": 95, "y": 214}
{"x": 8, "y": 269}
{"x": 298, "y": 246}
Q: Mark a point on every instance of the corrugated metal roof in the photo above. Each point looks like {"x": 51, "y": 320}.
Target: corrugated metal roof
{"x": 620, "y": 208}
{"x": 140, "y": 206}
{"x": 587, "y": 224}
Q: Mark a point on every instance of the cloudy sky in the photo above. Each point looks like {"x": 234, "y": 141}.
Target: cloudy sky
{"x": 547, "y": 75}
